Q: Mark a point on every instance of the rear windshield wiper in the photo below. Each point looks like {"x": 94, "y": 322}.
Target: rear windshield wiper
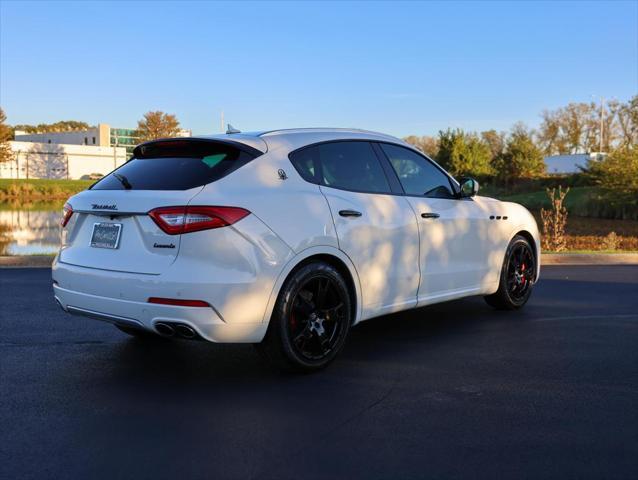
{"x": 123, "y": 180}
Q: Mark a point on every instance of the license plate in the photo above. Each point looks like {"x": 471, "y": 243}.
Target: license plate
{"x": 106, "y": 235}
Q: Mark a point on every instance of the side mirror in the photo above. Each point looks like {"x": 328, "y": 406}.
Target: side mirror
{"x": 469, "y": 187}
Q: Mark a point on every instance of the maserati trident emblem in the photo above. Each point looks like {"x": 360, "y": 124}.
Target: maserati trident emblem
{"x": 99, "y": 206}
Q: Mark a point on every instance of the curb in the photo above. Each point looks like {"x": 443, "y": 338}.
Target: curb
{"x": 589, "y": 259}
{"x": 44, "y": 261}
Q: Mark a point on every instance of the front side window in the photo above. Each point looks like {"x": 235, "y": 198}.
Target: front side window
{"x": 417, "y": 175}
{"x": 344, "y": 165}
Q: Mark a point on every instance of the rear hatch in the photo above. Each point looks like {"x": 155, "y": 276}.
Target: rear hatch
{"x": 110, "y": 227}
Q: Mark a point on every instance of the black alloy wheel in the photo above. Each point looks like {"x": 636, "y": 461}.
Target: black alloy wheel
{"x": 311, "y": 319}
{"x": 520, "y": 271}
{"x": 317, "y": 318}
{"x": 518, "y": 275}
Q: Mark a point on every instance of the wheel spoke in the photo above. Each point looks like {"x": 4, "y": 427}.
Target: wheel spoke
{"x": 304, "y": 335}
{"x": 303, "y": 305}
{"x": 332, "y": 314}
{"x": 322, "y": 290}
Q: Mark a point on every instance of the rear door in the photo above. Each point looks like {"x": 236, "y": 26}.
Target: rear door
{"x": 111, "y": 228}
{"x": 453, "y": 232}
{"x": 375, "y": 228}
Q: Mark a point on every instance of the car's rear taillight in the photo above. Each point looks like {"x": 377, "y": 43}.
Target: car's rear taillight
{"x": 177, "y": 220}
{"x": 67, "y": 212}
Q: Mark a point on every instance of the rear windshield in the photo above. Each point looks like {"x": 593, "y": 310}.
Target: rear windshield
{"x": 178, "y": 165}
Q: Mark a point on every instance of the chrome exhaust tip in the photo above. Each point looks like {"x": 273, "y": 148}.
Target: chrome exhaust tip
{"x": 185, "y": 331}
{"x": 164, "y": 329}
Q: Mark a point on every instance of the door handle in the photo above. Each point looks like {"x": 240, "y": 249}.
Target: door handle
{"x": 349, "y": 213}
{"x": 430, "y": 215}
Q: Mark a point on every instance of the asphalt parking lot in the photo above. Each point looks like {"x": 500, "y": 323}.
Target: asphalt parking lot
{"x": 448, "y": 391}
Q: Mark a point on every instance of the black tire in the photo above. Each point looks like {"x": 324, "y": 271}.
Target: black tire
{"x": 310, "y": 321}
{"x": 517, "y": 276}
{"x": 138, "y": 333}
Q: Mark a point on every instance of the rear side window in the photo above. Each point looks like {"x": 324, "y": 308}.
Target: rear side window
{"x": 345, "y": 165}
{"x": 417, "y": 175}
{"x": 175, "y": 165}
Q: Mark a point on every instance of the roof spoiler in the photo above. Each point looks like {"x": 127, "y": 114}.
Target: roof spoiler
{"x": 187, "y": 146}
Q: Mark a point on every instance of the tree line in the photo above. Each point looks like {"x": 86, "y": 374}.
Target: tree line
{"x": 501, "y": 157}
{"x": 508, "y": 156}
{"x": 62, "y": 126}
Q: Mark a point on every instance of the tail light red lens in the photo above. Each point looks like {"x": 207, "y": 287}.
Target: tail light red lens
{"x": 177, "y": 220}
{"x": 178, "y": 302}
{"x": 67, "y": 212}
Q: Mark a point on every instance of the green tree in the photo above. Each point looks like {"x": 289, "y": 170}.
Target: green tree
{"x": 6, "y": 134}
{"x": 521, "y": 157}
{"x": 617, "y": 174}
{"x": 428, "y": 145}
{"x": 463, "y": 153}
{"x": 156, "y": 125}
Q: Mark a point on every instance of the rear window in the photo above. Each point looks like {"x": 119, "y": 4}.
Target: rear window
{"x": 348, "y": 165}
{"x": 175, "y": 165}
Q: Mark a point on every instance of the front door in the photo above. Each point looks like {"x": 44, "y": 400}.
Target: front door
{"x": 453, "y": 231}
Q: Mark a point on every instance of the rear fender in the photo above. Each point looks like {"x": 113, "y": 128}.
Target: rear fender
{"x": 300, "y": 257}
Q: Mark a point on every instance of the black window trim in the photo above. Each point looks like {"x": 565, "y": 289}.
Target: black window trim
{"x": 318, "y": 171}
{"x": 391, "y": 176}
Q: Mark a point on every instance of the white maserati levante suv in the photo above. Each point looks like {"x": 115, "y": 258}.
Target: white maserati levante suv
{"x": 285, "y": 239}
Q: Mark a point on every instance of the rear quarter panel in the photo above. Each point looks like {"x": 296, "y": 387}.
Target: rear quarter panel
{"x": 292, "y": 208}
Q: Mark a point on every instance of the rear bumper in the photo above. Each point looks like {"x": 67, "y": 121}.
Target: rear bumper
{"x": 233, "y": 269}
{"x": 205, "y": 321}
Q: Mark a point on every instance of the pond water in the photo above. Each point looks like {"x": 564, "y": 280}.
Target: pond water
{"x": 28, "y": 229}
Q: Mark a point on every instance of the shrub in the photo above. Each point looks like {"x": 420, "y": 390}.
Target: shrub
{"x": 617, "y": 176}
{"x": 554, "y": 221}
{"x": 611, "y": 241}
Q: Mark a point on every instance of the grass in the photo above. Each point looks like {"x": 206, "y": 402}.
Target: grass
{"x": 576, "y": 197}
{"x": 41, "y": 189}
{"x": 580, "y": 201}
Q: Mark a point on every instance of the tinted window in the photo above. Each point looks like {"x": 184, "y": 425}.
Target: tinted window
{"x": 346, "y": 165}
{"x": 417, "y": 175}
{"x": 172, "y": 168}
{"x": 304, "y": 161}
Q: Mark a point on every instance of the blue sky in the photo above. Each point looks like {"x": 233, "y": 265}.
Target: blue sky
{"x": 400, "y": 67}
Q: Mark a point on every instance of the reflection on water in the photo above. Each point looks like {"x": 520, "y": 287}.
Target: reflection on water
{"x": 27, "y": 229}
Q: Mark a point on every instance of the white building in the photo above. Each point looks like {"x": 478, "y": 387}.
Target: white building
{"x": 558, "y": 164}
{"x": 101, "y": 136}
{"x": 54, "y": 160}
{"x": 96, "y": 136}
